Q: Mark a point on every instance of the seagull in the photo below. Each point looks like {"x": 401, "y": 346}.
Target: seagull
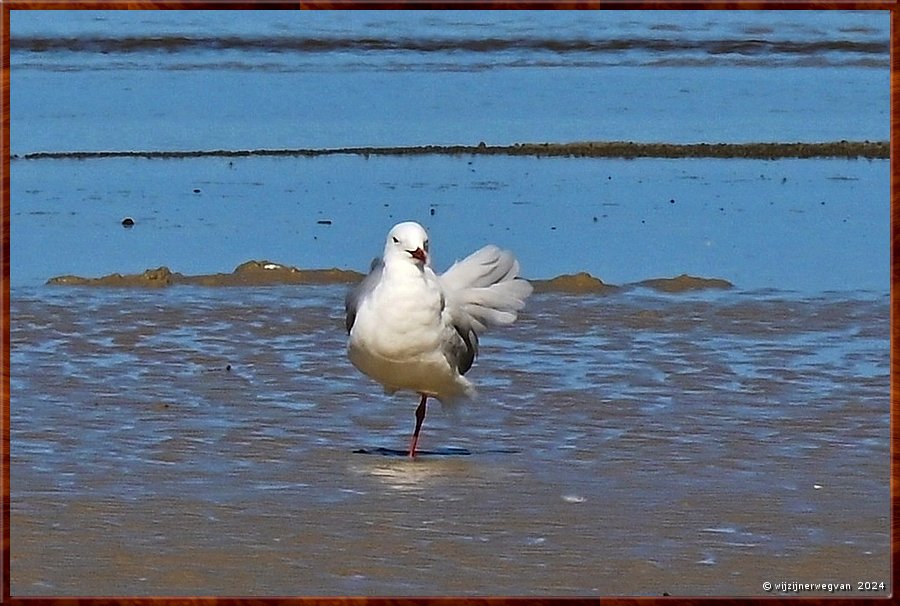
{"x": 411, "y": 329}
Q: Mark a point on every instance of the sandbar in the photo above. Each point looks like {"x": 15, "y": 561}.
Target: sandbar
{"x": 269, "y": 273}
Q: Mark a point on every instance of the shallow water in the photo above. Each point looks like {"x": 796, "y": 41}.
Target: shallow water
{"x": 205, "y": 441}
{"x": 826, "y": 222}
{"x": 270, "y": 79}
{"x": 199, "y": 80}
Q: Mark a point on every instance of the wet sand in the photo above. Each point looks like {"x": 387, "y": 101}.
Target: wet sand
{"x": 216, "y": 441}
{"x": 585, "y": 149}
{"x": 268, "y": 273}
{"x": 251, "y": 273}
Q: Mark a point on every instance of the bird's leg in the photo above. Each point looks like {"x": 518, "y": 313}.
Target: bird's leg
{"x": 420, "y": 416}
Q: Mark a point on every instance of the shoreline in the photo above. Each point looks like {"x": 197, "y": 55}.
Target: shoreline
{"x": 584, "y": 149}
{"x": 267, "y": 273}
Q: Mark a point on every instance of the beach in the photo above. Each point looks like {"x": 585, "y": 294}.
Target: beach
{"x": 629, "y": 443}
{"x": 694, "y": 401}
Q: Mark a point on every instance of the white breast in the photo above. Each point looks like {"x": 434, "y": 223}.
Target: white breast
{"x": 398, "y": 335}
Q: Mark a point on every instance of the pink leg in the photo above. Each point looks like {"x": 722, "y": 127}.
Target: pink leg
{"x": 420, "y": 416}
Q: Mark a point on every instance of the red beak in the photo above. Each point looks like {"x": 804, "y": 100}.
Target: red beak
{"x": 418, "y": 254}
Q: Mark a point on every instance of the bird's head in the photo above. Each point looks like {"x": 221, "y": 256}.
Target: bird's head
{"x": 407, "y": 242}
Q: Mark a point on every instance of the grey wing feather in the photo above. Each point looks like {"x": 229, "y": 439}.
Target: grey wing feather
{"x": 356, "y": 294}
{"x": 461, "y": 351}
{"x": 481, "y": 290}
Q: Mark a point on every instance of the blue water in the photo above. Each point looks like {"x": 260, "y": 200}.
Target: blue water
{"x": 795, "y": 225}
{"x": 188, "y": 80}
{"x": 253, "y": 80}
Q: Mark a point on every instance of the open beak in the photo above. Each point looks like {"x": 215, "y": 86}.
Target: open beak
{"x": 418, "y": 254}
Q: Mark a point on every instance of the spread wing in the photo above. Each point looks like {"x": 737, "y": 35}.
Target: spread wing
{"x": 485, "y": 289}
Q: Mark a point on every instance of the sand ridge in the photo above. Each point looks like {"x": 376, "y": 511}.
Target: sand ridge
{"x": 268, "y": 273}
{"x": 576, "y": 149}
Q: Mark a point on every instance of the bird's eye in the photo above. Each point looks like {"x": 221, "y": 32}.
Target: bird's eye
{"x": 425, "y": 246}
{"x": 396, "y": 241}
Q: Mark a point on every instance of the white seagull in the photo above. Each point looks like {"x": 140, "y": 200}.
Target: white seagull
{"x": 413, "y": 330}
